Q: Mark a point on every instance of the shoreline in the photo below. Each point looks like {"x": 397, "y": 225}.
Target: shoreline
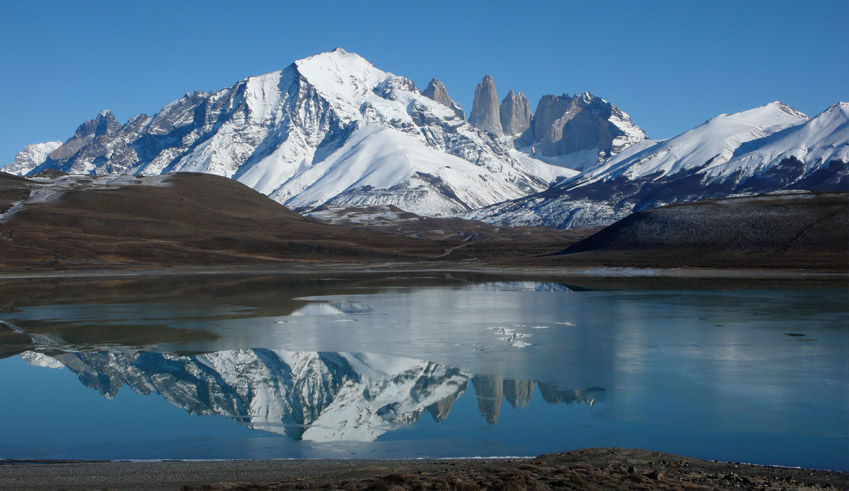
{"x": 314, "y": 270}
{"x": 583, "y": 468}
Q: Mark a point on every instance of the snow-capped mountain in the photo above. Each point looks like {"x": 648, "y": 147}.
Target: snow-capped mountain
{"x": 303, "y": 395}
{"x": 766, "y": 149}
{"x": 328, "y": 129}
{"x": 31, "y": 157}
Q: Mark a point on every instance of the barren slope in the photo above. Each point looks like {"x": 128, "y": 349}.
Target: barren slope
{"x": 185, "y": 219}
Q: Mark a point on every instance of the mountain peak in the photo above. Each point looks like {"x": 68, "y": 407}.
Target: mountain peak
{"x": 515, "y": 114}
{"x": 766, "y": 116}
{"x": 338, "y": 55}
{"x": 786, "y": 108}
{"x": 341, "y": 75}
{"x": 436, "y": 90}
{"x": 840, "y": 107}
{"x": 101, "y": 124}
{"x": 486, "y": 113}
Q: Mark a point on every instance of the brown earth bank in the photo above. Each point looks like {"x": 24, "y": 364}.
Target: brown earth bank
{"x": 599, "y": 468}
{"x": 79, "y": 223}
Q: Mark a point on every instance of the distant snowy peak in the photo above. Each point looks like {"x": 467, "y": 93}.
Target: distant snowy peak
{"x": 328, "y": 129}
{"x": 31, "y": 157}
{"x": 817, "y": 142}
{"x": 713, "y": 143}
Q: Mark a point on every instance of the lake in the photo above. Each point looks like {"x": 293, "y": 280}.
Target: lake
{"x": 423, "y": 365}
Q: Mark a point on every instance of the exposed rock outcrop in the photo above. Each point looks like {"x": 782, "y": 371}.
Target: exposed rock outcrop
{"x": 568, "y": 124}
{"x": 515, "y": 114}
{"x": 104, "y": 124}
{"x": 490, "y": 392}
{"x": 486, "y": 113}
{"x": 436, "y": 90}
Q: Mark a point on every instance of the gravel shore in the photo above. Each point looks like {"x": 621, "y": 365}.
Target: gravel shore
{"x": 601, "y": 468}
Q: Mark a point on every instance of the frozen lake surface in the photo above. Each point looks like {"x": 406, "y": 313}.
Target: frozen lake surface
{"x": 422, "y": 366}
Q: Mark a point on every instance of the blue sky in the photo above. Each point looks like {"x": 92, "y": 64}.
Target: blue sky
{"x": 671, "y": 65}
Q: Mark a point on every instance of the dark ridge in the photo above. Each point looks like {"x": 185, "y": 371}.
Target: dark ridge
{"x": 776, "y": 224}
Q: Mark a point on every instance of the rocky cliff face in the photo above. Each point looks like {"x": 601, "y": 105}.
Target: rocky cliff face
{"x": 568, "y": 124}
{"x": 583, "y": 128}
{"x": 515, "y": 114}
{"x": 97, "y": 131}
{"x": 437, "y": 91}
{"x": 486, "y": 113}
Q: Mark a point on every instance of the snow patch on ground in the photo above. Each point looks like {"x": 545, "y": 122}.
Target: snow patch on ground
{"x": 50, "y": 190}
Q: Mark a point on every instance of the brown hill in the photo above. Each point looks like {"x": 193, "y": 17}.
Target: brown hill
{"x": 179, "y": 219}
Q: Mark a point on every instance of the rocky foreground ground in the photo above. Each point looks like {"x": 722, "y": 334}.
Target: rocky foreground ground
{"x": 602, "y": 468}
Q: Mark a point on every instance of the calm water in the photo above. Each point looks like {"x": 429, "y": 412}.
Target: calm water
{"x": 440, "y": 365}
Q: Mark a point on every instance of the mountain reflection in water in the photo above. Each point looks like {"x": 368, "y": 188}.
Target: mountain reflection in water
{"x": 316, "y": 396}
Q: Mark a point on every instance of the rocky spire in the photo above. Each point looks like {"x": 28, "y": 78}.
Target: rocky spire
{"x": 490, "y": 392}
{"x": 436, "y": 90}
{"x": 515, "y": 114}
{"x": 518, "y": 392}
{"x": 485, "y": 110}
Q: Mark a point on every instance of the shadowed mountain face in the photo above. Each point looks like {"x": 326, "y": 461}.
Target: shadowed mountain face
{"x": 303, "y": 395}
{"x": 567, "y": 124}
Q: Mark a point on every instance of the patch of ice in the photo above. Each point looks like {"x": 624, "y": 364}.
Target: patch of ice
{"x": 511, "y": 337}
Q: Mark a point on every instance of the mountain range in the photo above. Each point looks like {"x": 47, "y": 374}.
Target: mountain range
{"x": 766, "y": 149}
{"x": 333, "y": 130}
{"x": 312, "y": 396}
{"x": 328, "y": 129}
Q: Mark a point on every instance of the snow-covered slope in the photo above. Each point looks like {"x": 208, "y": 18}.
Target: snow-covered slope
{"x": 328, "y": 129}
{"x": 816, "y": 143}
{"x": 31, "y": 157}
{"x": 711, "y": 144}
{"x": 304, "y": 395}
{"x": 769, "y": 148}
